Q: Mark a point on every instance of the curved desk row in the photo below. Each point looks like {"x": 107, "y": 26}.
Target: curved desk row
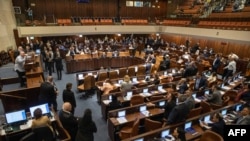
{"x": 96, "y": 63}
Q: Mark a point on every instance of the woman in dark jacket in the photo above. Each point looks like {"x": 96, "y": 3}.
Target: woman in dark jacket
{"x": 86, "y": 127}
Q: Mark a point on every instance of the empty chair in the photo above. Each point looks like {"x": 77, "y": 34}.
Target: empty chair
{"x": 136, "y": 99}
{"x": 194, "y": 112}
{"x": 88, "y": 85}
{"x": 130, "y": 130}
{"x": 122, "y": 72}
{"x": 113, "y": 75}
{"x": 131, "y": 71}
{"x": 141, "y": 70}
{"x": 205, "y": 107}
{"x": 209, "y": 135}
{"x": 102, "y": 76}
{"x": 151, "y": 124}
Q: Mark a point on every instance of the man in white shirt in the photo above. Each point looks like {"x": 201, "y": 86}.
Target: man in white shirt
{"x": 230, "y": 68}
{"x": 19, "y": 67}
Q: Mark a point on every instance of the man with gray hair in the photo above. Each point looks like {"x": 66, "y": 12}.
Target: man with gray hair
{"x": 19, "y": 67}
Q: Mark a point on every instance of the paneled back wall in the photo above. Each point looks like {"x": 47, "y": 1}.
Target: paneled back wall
{"x": 95, "y": 8}
{"x": 242, "y": 49}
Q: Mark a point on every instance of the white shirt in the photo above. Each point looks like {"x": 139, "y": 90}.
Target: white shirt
{"x": 231, "y": 66}
{"x": 19, "y": 63}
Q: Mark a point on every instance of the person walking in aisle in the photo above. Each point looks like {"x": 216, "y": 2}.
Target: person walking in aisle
{"x": 68, "y": 96}
{"x": 59, "y": 65}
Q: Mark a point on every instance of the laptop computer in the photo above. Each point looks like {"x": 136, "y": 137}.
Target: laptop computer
{"x": 238, "y": 107}
{"x": 120, "y": 81}
{"x": 121, "y": 113}
{"x": 166, "y": 134}
{"x": 129, "y": 95}
{"x": 160, "y": 88}
{"x": 140, "y": 139}
{"x": 165, "y": 73}
{"x": 38, "y": 51}
{"x": 143, "y": 110}
{"x": 207, "y": 92}
{"x": 121, "y": 116}
{"x": 162, "y": 103}
{"x": 134, "y": 80}
{"x": 188, "y": 128}
{"x": 207, "y": 119}
{"x": 44, "y": 107}
{"x": 224, "y": 112}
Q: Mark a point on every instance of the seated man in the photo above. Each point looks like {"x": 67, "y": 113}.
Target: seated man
{"x": 68, "y": 120}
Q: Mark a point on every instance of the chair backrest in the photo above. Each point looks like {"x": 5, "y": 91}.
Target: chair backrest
{"x": 226, "y": 100}
{"x": 2, "y": 110}
{"x": 122, "y": 72}
{"x": 141, "y": 70}
{"x": 151, "y": 124}
{"x": 102, "y": 76}
{"x": 29, "y": 137}
{"x": 156, "y": 97}
{"x": 89, "y": 82}
{"x": 113, "y": 75}
{"x": 209, "y": 135}
{"x": 194, "y": 112}
{"x": 215, "y": 106}
{"x": 135, "y": 127}
{"x": 136, "y": 99}
{"x": 205, "y": 107}
{"x": 43, "y": 133}
{"x": 131, "y": 71}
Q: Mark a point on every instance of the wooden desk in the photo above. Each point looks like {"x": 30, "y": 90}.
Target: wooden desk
{"x": 34, "y": 81}
{"x": 114, "y": 125}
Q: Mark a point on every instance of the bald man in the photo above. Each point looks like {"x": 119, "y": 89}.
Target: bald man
{"x": 68, "y": 120}
{"x": 19, "y": 67}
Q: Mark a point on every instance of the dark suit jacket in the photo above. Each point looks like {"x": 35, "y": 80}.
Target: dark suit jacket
{"x": 182, "y": 88}
{"x": 69, "y": 123}
{"x": 85, "y": 132}
{"x": 215, "y": 98}
{"x": 47, "y": 93}
{"x": 59, "y": 65}
{"x": 218, "y": 127}
{"x": 178, "y": 113}
{"x": 202, "y": 83}
{"x": 216, "y": 64}
{"x": 168, "y": 108}
{"x": 68, "y": 96}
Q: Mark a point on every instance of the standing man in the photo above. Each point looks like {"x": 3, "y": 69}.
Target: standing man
{"x": 216, "y": 63}
{"x": 230, "y": 68}
{"x": 68, "y": 96}
{"x": 59, "y": 65}
{"x": 19, "y": 67}
{"x": 48, "y": 93}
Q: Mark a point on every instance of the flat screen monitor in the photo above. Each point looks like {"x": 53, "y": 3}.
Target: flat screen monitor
{"x": 120, "y": 81}
{"x": 207, "y": 118}
{"x": 188, "y": 125}
{"x": 145, "y": 90}
{"x": 122, "y": 113}
{"x": 44, "y": 107}
{"x": 194, "y": 95}
{"x": 162, "y": 103}
{"x": 140, "y": 139}
{"x": 14, "y": 117}
{"x": 238, "y": 107}
{"x": 224, "y": 112}
{"x": 134, "y": 79}
{"x": 129, "y": 93}
{"x": 143, "y": 108}
{"x": 165, "y": 133}
{"x": 207, "y": 92}
{"x": 160, "y": 87}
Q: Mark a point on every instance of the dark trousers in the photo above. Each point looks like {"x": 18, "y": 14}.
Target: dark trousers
{"x": 227, "y": 74}
{"x": 59, "y": 74}
{"x": 50, "y": 68}
{"x": 21, "y": 77}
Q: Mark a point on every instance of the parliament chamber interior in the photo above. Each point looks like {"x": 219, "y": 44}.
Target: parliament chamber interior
{"x": 147, "y": 70}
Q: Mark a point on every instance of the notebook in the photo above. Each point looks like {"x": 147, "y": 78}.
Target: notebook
{"x": 44, "y": 107}
{"x": 121, "y": 116}
{"x": 188, "y": 128}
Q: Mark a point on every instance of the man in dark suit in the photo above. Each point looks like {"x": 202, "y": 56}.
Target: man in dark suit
{"x": 216, "y": 63}
{"x": 179, "y": 112}
{"x": 200, "y": 82}
{"x": 69, "y": 122}
{"x": 215, "y": 97}
{"x": 47, "y": 92}
{"x": 244, "y": 118}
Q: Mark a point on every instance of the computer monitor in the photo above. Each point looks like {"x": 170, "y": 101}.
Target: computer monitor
{"x": 238, "y": 107}
{"x": 165, "y": 133}
{"x": 120, "y": 81}
{"x": 145, "y": 90}
{"x": 206, "y": 92}
{"x": 140, "y": 139}
{"x": 207, "y": 118}
{"x": 44, "y": 107}
{"x": 224, "y": 112}
{"x": 129, "y": 93}
{"x": 38, "y": 51}
{"x": 134, "y": 79}
{"x": 14, "y": 117}
{"x": 194, "y": 95}
{"x": 188, "y": 125}
{"x": 143, "y": 108}
{"x": 122, "y": 113}
{"x": 160, "y": 87}
{"x": 162, "y": 103}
